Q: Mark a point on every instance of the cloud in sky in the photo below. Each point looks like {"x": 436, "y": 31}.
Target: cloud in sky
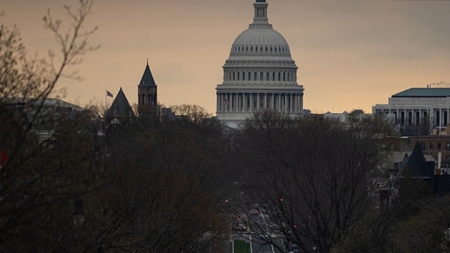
{"x": 350, "y": 54}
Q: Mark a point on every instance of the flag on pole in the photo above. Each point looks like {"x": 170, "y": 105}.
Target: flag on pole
{"x": 109, "y": 94}
{"x": 225, "y": 101}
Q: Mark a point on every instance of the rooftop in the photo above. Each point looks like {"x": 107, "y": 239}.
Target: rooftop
{"x": 424, "y": 92}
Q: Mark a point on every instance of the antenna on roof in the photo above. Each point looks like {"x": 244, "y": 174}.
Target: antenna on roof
{"x": 439, "y": 84}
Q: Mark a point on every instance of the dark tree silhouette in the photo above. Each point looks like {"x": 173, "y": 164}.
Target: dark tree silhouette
{"x": 313, "y": 175}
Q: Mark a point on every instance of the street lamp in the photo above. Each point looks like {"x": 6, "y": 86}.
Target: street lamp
{"x": 78, "y": 214}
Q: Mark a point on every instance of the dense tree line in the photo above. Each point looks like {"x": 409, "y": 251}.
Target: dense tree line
{"x": 316, "y": 180}
{"x": 150, "y": 186}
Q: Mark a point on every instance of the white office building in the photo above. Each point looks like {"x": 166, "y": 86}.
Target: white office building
{"x": 416, "y": 107}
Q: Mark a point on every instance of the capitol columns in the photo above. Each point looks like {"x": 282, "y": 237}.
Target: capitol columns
{"x": 258, "y": 100}
{"x": 272, "y": 104}
{"x": 265, "y": 100}
{"x": 218, "y": 102}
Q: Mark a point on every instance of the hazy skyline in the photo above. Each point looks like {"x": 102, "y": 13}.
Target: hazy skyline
{"x": 350, "y": 54}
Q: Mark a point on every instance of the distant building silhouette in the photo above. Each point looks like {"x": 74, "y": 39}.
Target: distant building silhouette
{"x": 147, "y": 95}
{"x": 120, "y": 111}
{"x": 416, "y": 167}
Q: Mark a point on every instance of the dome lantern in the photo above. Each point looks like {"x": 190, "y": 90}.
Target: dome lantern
{"x": 260, "y": 18}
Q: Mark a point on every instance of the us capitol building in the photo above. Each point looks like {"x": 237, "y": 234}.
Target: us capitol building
{"x": 260, "y": 74}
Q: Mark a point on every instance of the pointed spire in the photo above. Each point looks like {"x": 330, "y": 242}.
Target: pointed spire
{"x": 120, "y": 107}
{"x": 416, "y": 161}
{"x": 260, "y": 18}
{"x": 147, "y": 77}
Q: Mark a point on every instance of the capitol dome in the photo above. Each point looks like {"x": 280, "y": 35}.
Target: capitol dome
{"x": 259, "y": 74}
{"x": 260, "y": 41}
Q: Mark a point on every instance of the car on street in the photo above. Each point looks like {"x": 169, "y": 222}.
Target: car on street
{"x": 254, "y": 211}
{"x": 294, "y": 248}
{"x": 239, "y": 226}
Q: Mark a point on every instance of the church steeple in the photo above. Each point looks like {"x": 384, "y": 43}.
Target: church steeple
{"x": 147, "y": 92}
{"x": 147, "y": 77}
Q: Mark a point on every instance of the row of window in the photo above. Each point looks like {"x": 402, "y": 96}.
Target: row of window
{"x": 263, "y": 76}
{"x": 260, "y": 49}
{"x": 439, "y": 146}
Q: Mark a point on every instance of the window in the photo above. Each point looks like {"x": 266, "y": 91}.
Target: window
{"x": 431, "y": 145}
{"x": 447, "y": 146}
{"x": 439, "y": 146}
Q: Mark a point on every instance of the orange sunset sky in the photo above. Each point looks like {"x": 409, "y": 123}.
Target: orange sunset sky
{"x": 351, "y": 54}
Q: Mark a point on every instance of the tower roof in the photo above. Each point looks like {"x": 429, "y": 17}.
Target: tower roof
{"x": 416, "y": 161}
{"x": 120, "y": 107}
{"x": 147, "y": 78}
{"x": 424, "y": 92}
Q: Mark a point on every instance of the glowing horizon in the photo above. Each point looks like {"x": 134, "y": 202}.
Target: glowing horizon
{"x": 351, "y": 55}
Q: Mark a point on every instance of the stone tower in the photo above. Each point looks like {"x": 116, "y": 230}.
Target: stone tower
{"x": 147, "y": 94}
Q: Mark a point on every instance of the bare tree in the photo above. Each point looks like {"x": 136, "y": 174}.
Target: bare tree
{"x": 42, "y": 176}
{"x": 311, "y": 174}
{"x": 161, "y": 188}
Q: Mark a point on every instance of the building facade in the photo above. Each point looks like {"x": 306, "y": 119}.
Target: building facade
{"x": 418, "y": 111}
{"x": 259, "y": 74}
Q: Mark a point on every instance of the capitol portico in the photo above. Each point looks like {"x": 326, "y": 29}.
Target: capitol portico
{"x": 259, "y": 74}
